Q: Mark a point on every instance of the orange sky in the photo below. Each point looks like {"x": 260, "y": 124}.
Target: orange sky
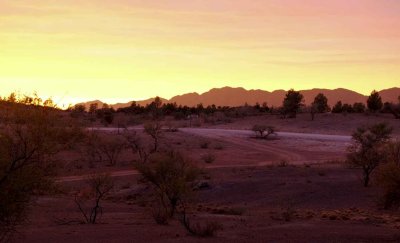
{"x": 120, "y": 50}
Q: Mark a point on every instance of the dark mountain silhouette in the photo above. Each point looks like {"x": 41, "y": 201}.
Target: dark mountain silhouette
{"x": 228, "y": 96}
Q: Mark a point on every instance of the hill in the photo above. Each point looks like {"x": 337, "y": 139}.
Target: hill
{"x": 228, "y": 96}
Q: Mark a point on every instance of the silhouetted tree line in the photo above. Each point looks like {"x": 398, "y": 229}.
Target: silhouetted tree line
{"x": 292, "y": 104}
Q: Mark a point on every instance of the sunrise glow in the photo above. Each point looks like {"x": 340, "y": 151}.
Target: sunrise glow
{"x": 122, "y": 50}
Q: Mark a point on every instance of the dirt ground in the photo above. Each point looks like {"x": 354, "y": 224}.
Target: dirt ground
{"x": 327, "y": 123}
{"x": 285, "y": 189}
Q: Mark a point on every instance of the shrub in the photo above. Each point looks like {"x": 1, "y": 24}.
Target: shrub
{"x": 30, "y": 138}
{"x": 263, "y": 131}
{"x": 208, "y": 229}
{"x": 366, "y": 151}
{"x": 99, "y": 186}
{"x": 389, "y": 176}
{"x": 218, "y": 147}
{"x": 359, "y": 107}
{"x": 209, "y": 158}
{"x": 172, "y": 178}
{"x": 283, "y": 163}
{"x": 111, "y": 148}
{"x": 204, "y": 144}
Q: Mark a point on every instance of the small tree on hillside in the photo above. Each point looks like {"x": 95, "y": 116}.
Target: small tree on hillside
{"x": 319, "y": 105}
{"x": 366, "y": 150}
{"x": 338, "y": 107}
{"x": 374, "y": 102}
{"x": 359, "y": 107}
{"x": 292, "y": 103}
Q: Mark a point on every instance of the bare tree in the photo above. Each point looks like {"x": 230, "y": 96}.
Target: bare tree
{"x": 154, "y": 130}
{"x": 136, "y": 145}
{"x": 111, "y": 148}
{"x": 263, "y": 131}
{"x": 99, "y": 187}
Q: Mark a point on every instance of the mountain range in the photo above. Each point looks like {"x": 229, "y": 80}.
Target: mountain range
{"x": 228, "y": 96}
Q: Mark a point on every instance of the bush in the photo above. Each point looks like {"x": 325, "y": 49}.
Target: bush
{"x": 263, "y": 131}
{"x": 209, "y": 229}
{"x": 99, "y": 186}
{"x": 218, "y": 147}
{"x": 172, "y": 178}
{"x": 366, "y": 152}
{"x": 209, "y": 158}
{"x": 389, "y": 176}
{"x": 28, "y": 142}
{"x": 111, "y": 148}
{"x": 205, "y": 144}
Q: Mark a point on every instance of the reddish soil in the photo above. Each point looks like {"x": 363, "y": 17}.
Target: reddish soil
{"x": 278, "y": 190}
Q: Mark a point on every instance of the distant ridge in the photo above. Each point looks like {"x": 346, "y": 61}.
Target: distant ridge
{"x": 228, "y": 96}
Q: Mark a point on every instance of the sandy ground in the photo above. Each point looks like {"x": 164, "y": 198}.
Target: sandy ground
{"x": 336, "y": 124}
{"x": 251, "y": 193}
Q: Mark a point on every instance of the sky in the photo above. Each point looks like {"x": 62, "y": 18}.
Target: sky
{"x": 121, "y": 50}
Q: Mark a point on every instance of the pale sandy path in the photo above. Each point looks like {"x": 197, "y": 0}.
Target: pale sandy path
{"x": 218, "y": 132}
{"x": 238, "y": 137}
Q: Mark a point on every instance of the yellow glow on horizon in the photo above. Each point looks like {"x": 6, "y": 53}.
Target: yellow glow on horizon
{"x": 120, "y": 50}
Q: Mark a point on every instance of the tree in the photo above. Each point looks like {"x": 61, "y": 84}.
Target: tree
{"x": 338, "y": 107}
{"x": 321, "y": 103}
{"x": 29, "y": 140}
{"x": 154, "y": 130}
{"x": 374, "y": 102}
{"x": 93, "y": 108}
{"x": 111, "y": 148}
{"x": 366, "y": 150}
{"x": 172, "y": 178}
{"x": 292, "y": 103}
{"x": 389, "y": 175}
{"x": 99, "y": 186}
{"x": 260, "y": 131}
{"x": 359, "y": 107}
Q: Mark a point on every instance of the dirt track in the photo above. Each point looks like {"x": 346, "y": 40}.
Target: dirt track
{"x": 243, "y": 139}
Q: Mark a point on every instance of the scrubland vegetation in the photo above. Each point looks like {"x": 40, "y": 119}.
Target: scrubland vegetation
{"x": 43, "y": 148}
